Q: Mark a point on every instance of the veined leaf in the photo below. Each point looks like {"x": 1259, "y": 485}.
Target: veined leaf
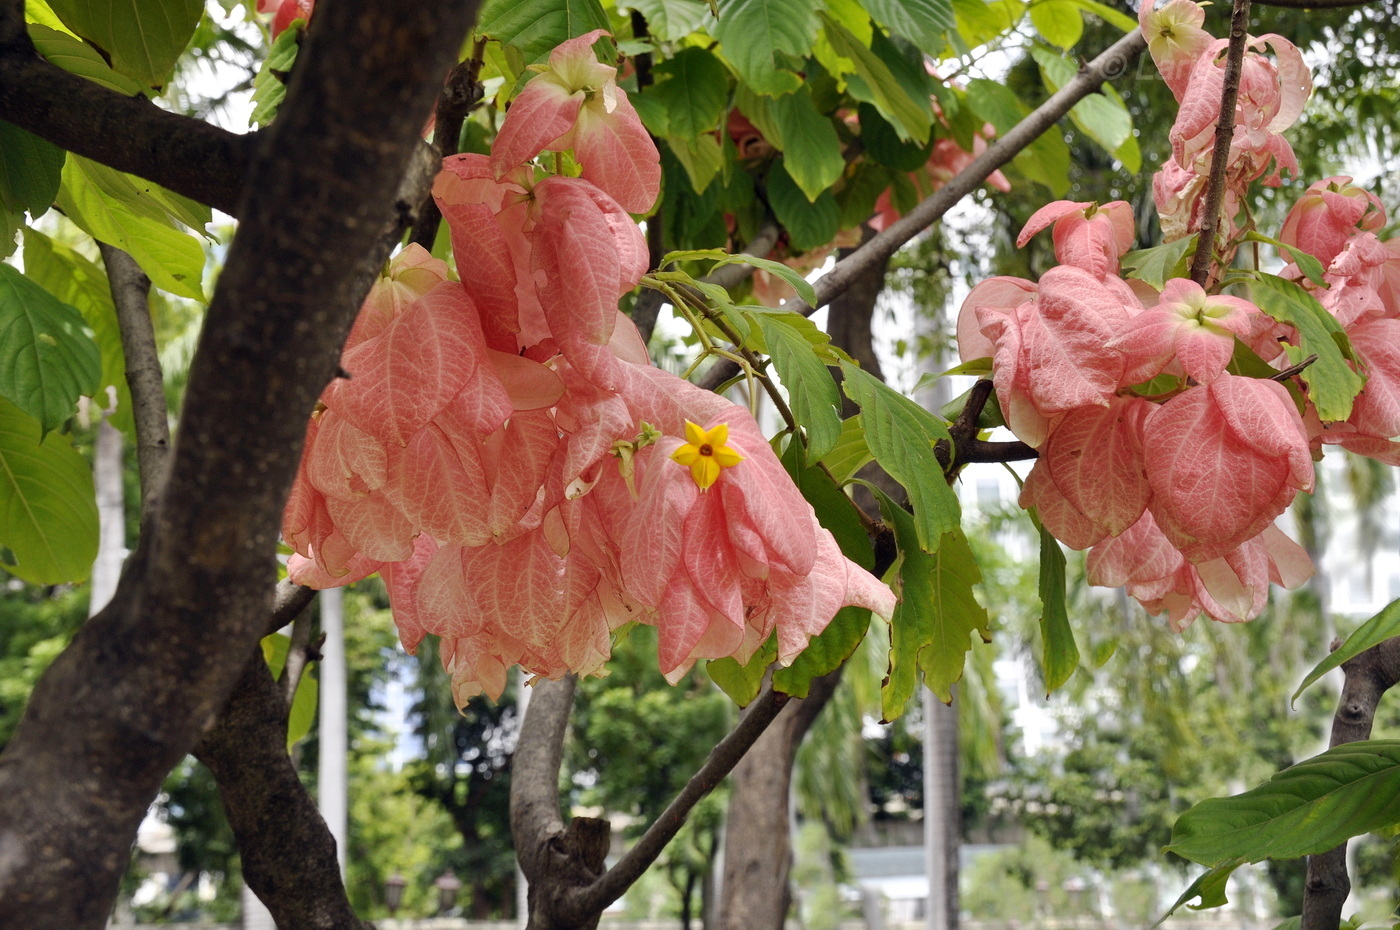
{"x": 46, "y": 360}
{"x": 1303, "y": 810}
{"x": 1306, "y": 262}
{"x": 805, "y": 291}
{"x": 700, "y": 156}
{"x": 1108, "y": 14}
{"x": 1332, "y": 384}
{"x": 690, "y": 93}
{"x": 48, "y": 510}
{"x": 1061, "y": 656}
{"x": 172, "y": 259}
{"x": 979, "y": 22}
{"x": 743, "y": 682}
{"x": 835, "y": 511}
{"x": 1209, "y": 887}
{"x": 143, "y": 37}
{"x": 825, "y": 652}
{"x": 936, "y": 616}
{"x": 1384, "y": 625}
{"x": 1160, "y": 263}
{"x": 536, "y": 27}
{"x": 850, "y": 454}
{"x": 901, "y": 434}
{"x": 270, "y": 83}
{"x": 1059, "y": 22}
{"x": 77, "y": 57}
{"x": 811, "y": 148}
{"x": 669, "y": 20}
{"x": 1101, "y": 118}
{"x": 74, "y": 280}
{"x": 877, "y": 81}
{"x": 816, "y": 401}
{"x": 809, "y": 224}
{"x": 1046, "y": 159}
{"x": 923, "y": 22}
{"x": 146, "y": 198}
{"x": 757, "y": 35}
{"x": 30, "y": 169}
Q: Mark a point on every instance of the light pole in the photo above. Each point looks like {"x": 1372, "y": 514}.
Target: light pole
{"x": 393, "y": 892}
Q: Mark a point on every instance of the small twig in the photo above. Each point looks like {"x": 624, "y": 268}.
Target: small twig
{"x": 967, "y": 447}
{"x": 1297, "y": 369}
{"x": 289, "y": 601}
{"x": 131, "y": 291}
{"x": 461, "y": 94}
{"x": 1224, "y": 136}
{"x": 299, "y": 653}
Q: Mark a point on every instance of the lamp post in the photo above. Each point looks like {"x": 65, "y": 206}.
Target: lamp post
{"x": 448, "y": 884}
{"x": 393, "y": 892}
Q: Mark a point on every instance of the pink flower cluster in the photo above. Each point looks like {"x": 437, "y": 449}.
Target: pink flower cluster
{"x": 1271, "y": 97}
{"x": 508, "y": 461}
{"x": 1176, "y": 495}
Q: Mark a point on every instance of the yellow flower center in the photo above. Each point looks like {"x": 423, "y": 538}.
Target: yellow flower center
{"x": 705, "y": 452}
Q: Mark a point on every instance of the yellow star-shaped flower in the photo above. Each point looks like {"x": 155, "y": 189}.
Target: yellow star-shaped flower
{"x": 705, "y": 452}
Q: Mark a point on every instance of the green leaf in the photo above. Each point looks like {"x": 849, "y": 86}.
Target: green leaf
{"x": 936, "y": 616}
{"x": 669, "y": 20}
{"x": 979, "y": 22}
{"x": 809, "y": 224}
{"x": 1103, "y": 119}
{"x": 850, "y": 454}
{"x": 1160, "y": 263}
{"x": 883, "y": 144}
{"x": 923, "y": 22}
{"x": 805, "y": 291}
{"x": 536, "y": 27}
{"x": 881, "y": 78}
{"x": 743, "y": 682}
{"x": 1384, "y": 625}
{"x": 825, "y": 652}
{"x": 1209, "y": 886}
{"x": 142, "y": 38}
{"x": 835, "y": 511}
{"x": 1061, "y": 656}
{"x": 302, "y": 714}
{"x": 901, "y": 434}
{"x": 30, "y": 169}
{"x": 691, "y": 91}
{"x": 1306, "y": 262}
{"x": 48, "y": 511}
{"x": 46, "y": 360}
{"x": 1045, "y": 160}
{"x": 146, "y": 198}
{"x": 1108, "y": 14}
{"x": 861, "y": 192}
{"x": 757, "y": 35}
{"x": 809, "y": 142}
{"x": 270, "y": 83}
{"x": 70, "y": 277}
{"x": 77, "y": 57}
{"x": 1303, "y": 810}
{"x": 1058, "y": 21}
{"x": 1332, "y": 384}
{"x": 700, "y": 156}
{"x": 172, "y": 259}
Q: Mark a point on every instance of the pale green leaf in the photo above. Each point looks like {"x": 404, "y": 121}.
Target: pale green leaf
{"x": 1303, "y": 810}
{"x": 743, "y": 682}
{"x": 1161, "y": 263}
{"x": 901, "y": 434}
{"x": 691, "y": 90}
{"x": 77, "y": 57}
{"x": 143, "y": 38}
{"x": 536, "y": 27}
{"x": 809, "y": 142}
{"x": 803, "y": 287}
{"x": 923, "y": 22}
{"x": 850, "y": 454}
{"x": 1103, "y": 119}
{"x": 816, "y": 401}
{"x": 1384, "y": 625}
{"x": 1306, "y": 262}
{"x": 1061, "y": 654}
{"x": 1332, "y": 384}
{"x": 700, "y": 156}
{"x": 1059, "y": 22}
{"x": 669, "y": 20}
{"x": 30, "y": 169}
{"x": 47, "y": 361}
{"x": 1108, "y": 14}
{"x": 759, "y": 36}
{"x": 877, "y": 81}
{"x": 270, "y": 83}
{"x": 979, "y": 22}
{"x": 172, "y": 259}
{"x": 1046, "y": 160}
{"x": 48, "y": 511}
{"x": 1209, "y": 887}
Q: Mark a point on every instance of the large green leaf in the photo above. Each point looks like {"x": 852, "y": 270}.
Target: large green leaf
{"x": 30, "y": 169}
{"x": 936, "y": 616}
{"x": 811, "y": 149}
{"x": 1307, "y": 263}
{"x": 669, "y": 20}
{"x": 171, "y": 258}
{"x": 48, "y": 511}
{"x": 535, "y": 27}
{"x": 46, "y": 360}
{"x": 851, "y": 452}
{"x": 825, "y": 652}
{"x": 816, "y": 401}
{"x": 882, "y": 143}
{"x": 979, "y": 22}
{"x": 1332, "y": 384}
{"x": 1061, "y": 656}
{"x": 921, "y": 21}
{"x": 1058, "y": 21}
{"x": 883, "y": 78}
{"x": 69, "y": 276}
{"x": 757, "y": 36}
{"x": 835, "y": 511}
{"x": 809, "y": 224}
{"x": 1046, "y": 159}
{"x": 701, "y": 156}
{"x": 901, "y": 434}
{"x": 1104, "y": 119}
{"x": 142, "y": 38}
{"x": 79, "y": 58}
{"x": 1160, "y": 263}
{"x": 743, "y": 682}
{"x": 1384, "y": 625}
{"x": 1306, "y": 809}
{"x": 689, "y": 95}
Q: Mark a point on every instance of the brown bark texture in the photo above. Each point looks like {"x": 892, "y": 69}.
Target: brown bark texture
{"x": 146, "y": 676}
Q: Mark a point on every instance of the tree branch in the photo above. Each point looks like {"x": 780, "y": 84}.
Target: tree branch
{"x": 131, "y": 293}
{"x": 1224, "y": 136}
{"x": 287, "y": 852}
{"x": 186, "y": 155}
{"x": 461, "y": 94}
{"x": 1368, "y": 677}
{"x": 967, "y": 447}
{"x": 140, "y": 682}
